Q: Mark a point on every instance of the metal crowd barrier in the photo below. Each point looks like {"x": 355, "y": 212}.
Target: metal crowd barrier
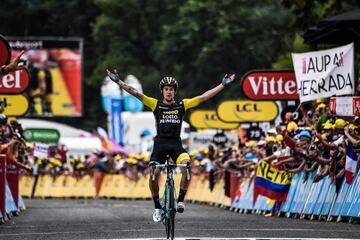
{"x": 305, "y": 199}
{"x": 308, "y": 199}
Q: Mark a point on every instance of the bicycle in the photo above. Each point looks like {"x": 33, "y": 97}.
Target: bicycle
{"x": 168, "y": 201}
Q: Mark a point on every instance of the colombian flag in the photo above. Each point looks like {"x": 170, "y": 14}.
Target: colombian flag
{"x": 271, "y": 182}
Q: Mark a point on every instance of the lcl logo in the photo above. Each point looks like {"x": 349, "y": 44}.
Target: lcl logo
{"x": 247, "y": 107}
{"x": 211, "y": 117}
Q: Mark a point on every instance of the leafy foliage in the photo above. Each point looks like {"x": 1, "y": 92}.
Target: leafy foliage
{"x": 195, "y": 41}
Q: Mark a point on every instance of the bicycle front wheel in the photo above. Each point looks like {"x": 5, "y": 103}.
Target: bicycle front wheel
{"x": 172, "y": 210}
{"x": 167, "y": 217}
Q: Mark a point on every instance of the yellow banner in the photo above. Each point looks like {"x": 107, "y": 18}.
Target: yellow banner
{"x": 209, "y": 119}
{"x": 265, "y": 170}
{"x": 16, "y": 105}
{"x": 247, "y": 111}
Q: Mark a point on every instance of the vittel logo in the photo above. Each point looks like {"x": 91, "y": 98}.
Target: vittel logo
{"x": 270, "y": 85}
{"x": 15, "y": 82}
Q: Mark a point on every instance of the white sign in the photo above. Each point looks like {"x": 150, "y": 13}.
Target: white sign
{"x": 41, "y": 150}
{"x": 326, "y": 73}
{"x": 345, "y": 106}
{"x": 204, "y": 139}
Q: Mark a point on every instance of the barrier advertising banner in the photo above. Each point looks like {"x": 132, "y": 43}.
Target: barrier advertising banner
{"x": 12, "y": 177}
{"x": 55, "y": 74}
{"x": 270, "y": 85}
{"x": 208, "y": 119}
{"x": 247, "y": 111}
{"x": 325, "y": 73}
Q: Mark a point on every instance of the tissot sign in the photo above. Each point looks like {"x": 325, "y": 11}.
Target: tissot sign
{"x": 14, "y": 82}
{"x": 270, "y": 85}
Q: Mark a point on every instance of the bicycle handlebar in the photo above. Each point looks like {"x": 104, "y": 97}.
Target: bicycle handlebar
{"x": 171, "y": 165}
{"x": 166, "y": 165}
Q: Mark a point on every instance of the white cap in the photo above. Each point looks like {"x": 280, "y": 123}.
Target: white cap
{"x": 272, "y": 131}
{"x": 261, "y": 143}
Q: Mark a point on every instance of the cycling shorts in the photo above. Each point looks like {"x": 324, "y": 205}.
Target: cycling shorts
{"x": 172, "y": 147}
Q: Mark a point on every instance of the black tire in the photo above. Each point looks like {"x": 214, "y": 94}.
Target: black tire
{"x": 172, "y": 211}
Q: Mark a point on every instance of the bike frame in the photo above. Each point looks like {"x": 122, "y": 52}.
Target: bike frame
{"x": 169, "y": 201}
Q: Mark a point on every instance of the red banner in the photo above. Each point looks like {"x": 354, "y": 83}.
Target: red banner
{"x": 3, "y": 185}
{"x": 12, "y": 177}
{"x": 5, "y": 52}
{"x": 270, "y": 85}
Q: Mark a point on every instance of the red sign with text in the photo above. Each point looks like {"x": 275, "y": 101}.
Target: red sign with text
{"x": 14, "y": 82}
{"x": 270, "y": 85}
{"x": 12, "y": 177}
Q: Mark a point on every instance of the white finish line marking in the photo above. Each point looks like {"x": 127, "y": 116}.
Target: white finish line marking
{"x": 202, "y": 229}
{"x": 205, "y": 238}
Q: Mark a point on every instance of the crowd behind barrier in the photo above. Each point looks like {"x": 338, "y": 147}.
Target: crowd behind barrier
{"x": 321, "y": 149}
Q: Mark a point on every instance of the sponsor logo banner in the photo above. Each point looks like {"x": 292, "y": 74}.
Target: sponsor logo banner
{"x": 209, "y": 119}
{"x": 270, "y": 85}
{"x": 5, "y": 52}
{"x": 14, "y": 82}
{"x": 325, "y": 73}
{"x": 247, "y": 111}
{"x": 45, "y": 135}
{"x": 15, "y": 105}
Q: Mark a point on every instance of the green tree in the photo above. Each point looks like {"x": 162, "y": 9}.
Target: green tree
{"x": 196, "y": 41}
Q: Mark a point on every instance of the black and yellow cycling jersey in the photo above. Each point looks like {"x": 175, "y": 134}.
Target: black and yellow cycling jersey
{"x": 169, "y": 117}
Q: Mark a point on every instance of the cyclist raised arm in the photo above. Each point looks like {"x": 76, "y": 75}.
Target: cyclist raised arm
{"x": 115, "y": 78}
{"x": 168, "y": 117}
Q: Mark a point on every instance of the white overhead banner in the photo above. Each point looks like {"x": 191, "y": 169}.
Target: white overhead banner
{"x": 325, "y": 73}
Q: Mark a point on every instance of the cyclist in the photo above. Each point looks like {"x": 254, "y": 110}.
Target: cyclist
{"x": 168, "y": 116}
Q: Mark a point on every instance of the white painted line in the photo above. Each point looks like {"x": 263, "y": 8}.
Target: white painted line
{"x": 199, "y": 229}
{"x": 205, "y": 238}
